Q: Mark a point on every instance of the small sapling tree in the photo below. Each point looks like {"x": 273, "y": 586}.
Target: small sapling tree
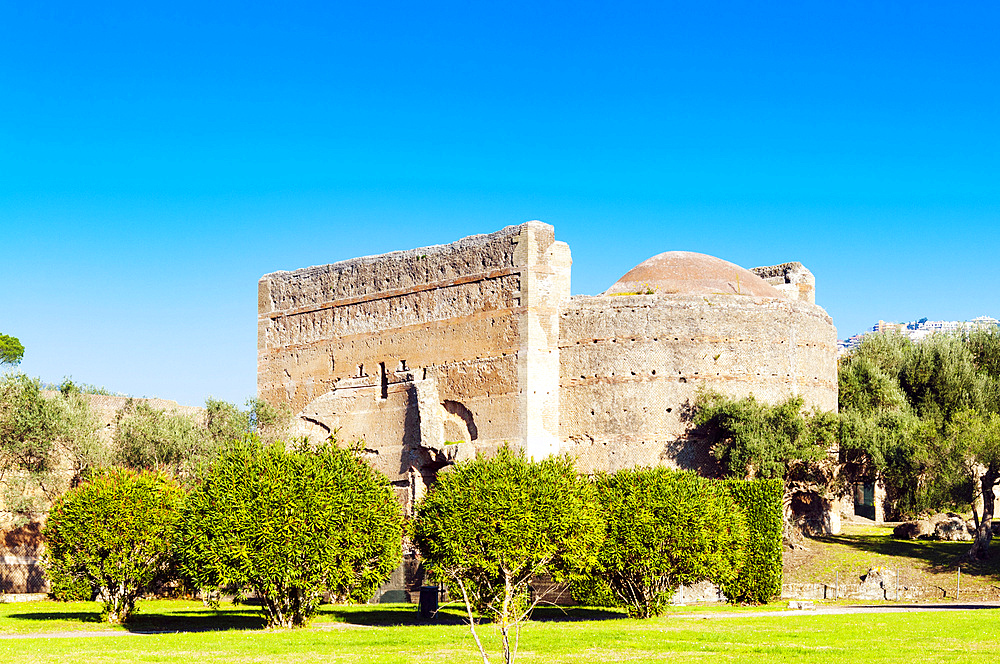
{"x": 490, "y": 526}
{"x": 291, "y": 525}
{"x": 115, "y": 532}
{"x": 665, "y": 528}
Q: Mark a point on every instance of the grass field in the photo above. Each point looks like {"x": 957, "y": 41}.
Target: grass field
{"x": 184, "y": 631}
{"x": 391, "y": 634}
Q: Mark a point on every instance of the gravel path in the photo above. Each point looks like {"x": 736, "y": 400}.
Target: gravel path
{"x": 843, "y": 610}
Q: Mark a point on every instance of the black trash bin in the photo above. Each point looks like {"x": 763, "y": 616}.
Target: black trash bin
{"x": 428, "y": 602}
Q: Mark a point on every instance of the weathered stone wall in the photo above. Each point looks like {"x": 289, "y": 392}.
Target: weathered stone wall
{"x": 431, "y": 354}
{"x": 793, "y": 280}
{"x": 631, "y": 367}
{"x": 423, "y": 354}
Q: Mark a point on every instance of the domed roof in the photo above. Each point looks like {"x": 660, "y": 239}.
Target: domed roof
{"x": 689, "y": 273}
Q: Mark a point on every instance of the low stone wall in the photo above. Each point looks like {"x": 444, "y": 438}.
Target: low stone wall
{"x": 857, "y": 591}
{"x": 22, "y": 597}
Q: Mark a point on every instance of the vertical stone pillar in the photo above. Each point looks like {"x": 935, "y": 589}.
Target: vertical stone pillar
{"x": 832, "y": 524}
{"x": 545, "y": 280}
{"x": 879, "y": 501}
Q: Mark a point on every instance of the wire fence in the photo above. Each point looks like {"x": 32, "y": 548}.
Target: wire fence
{"x": 22, "y": 575}
{"x": 897, "y": 584}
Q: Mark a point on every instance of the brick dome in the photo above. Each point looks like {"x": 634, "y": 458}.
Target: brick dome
{"x": 690, "y": 273}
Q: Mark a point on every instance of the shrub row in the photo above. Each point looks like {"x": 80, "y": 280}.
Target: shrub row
{"x": 292, "y": 525}
{"x": 490, "y": 526}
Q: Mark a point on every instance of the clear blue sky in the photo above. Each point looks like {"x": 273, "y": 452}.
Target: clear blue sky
{"x": 157, "y": 159}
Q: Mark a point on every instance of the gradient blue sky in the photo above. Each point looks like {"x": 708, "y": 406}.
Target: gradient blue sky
{"x": 156, "y": 160}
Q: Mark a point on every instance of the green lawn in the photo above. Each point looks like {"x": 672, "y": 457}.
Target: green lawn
{"x": 391, "y": 634}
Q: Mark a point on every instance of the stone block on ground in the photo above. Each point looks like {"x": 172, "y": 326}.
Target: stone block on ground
{"x": 878, "y": 583}
{"x": 953, "y": 529}
{"x": 912, "y": 530}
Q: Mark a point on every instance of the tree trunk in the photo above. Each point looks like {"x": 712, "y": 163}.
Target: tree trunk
{"x": 505, "y": 618}
{"x": 984, "y": 531}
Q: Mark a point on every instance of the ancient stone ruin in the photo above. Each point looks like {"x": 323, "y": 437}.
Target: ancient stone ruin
{"x": 432, "y": 354}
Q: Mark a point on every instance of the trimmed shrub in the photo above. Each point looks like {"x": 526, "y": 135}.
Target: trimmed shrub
{"x": 665, "y": 528}
{"x": 116, "y": 534}
{"x": 291, "y": 526}
{"x": 759, "y": 577}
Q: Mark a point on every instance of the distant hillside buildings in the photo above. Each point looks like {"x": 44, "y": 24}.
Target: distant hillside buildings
{"x": 919, "y": 329}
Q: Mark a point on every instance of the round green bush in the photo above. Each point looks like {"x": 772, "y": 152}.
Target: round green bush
{"x": 114, "y": 533}
{"x": 664, "y": 528}
{"x": 292, "y": 526}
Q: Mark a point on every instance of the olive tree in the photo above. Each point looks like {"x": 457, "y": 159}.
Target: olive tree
{"x": 147, "y": 437}
{"x": 115, "y": 532}
{"x": 489, "y": 526}
{"x": 184, "y": 445}
{"x": 29, "y": 426}
{"x": 923, "y": 419}
{"x": 755, "y": 439}
{"x": 665, "y": 528}
{"x": 226, "y": 421}
{"x": 751, "y": 439}
{"x": 39, "y": 435}
{"x": 291, "y": 525}
{"x": 976, "y": 441}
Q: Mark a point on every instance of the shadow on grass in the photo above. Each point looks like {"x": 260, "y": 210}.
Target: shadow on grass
{"x": 938, "y": 556}
{"x": 153, "y": 622}
{"x": 75, "y": 616}
{"x": 926, "y": 607}
{"x": 387, "y": 615}
{"x": 196, "y": 621}
{"x": 406, "y": 614}
{"x": 575, "y": 613}
{"x": 150, "y": 621}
